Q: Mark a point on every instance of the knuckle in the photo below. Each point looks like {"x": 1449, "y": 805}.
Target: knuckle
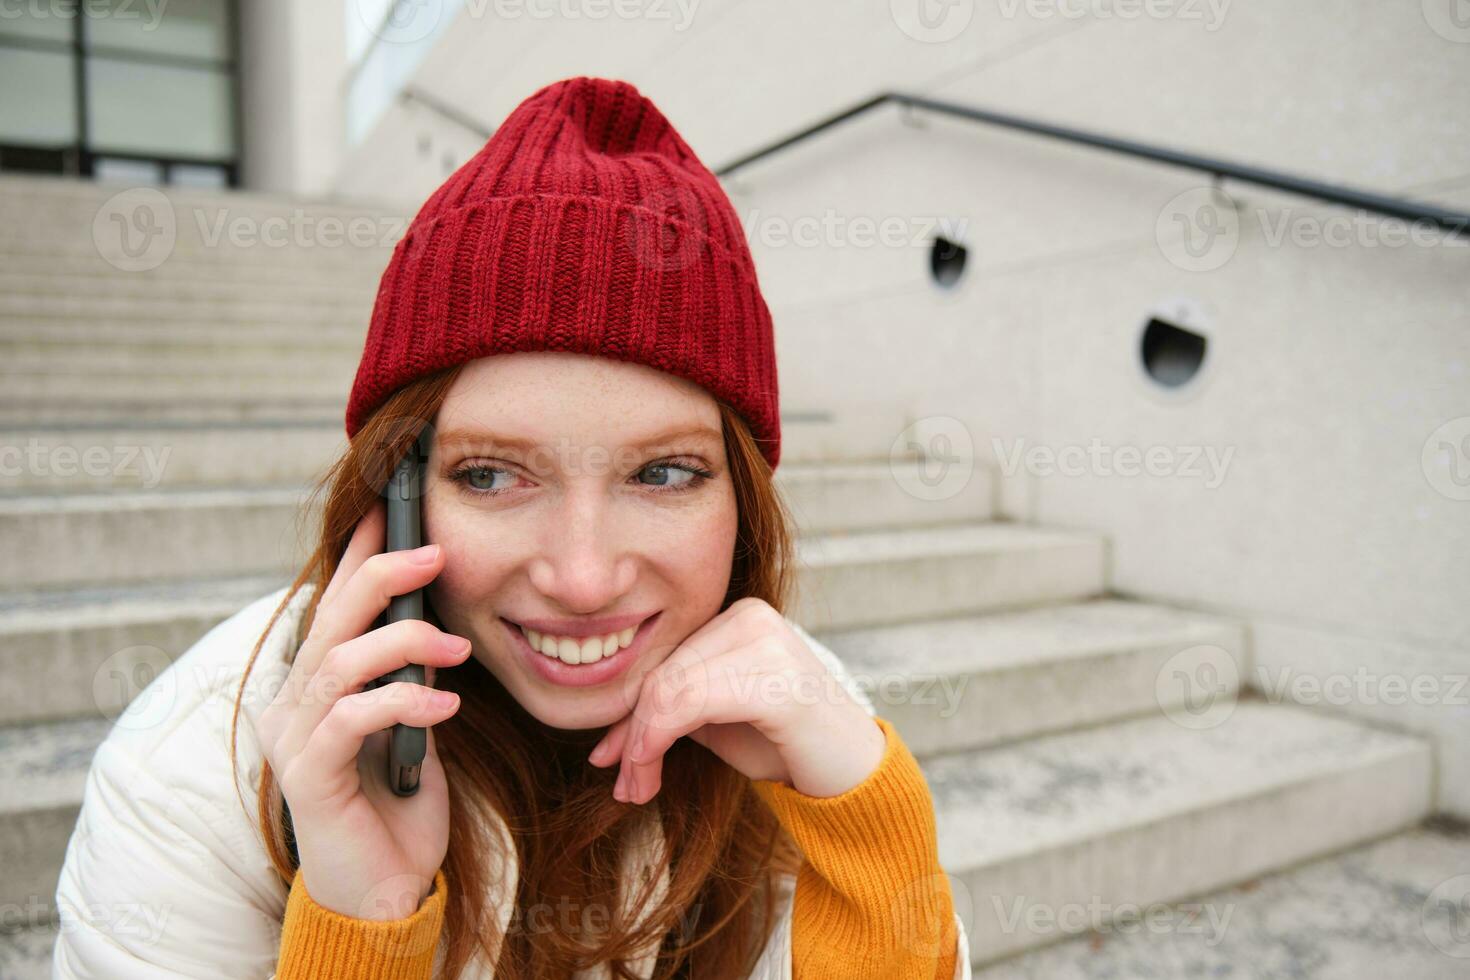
{"x": 757, "y": 612}
{"x": 379, "y": 567}
{"x": 422, "y": 633}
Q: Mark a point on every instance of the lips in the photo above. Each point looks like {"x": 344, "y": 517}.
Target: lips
{"x": 553, "y": 670}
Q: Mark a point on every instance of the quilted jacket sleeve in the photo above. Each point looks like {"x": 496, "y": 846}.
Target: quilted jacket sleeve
{"x": 166, "y": 874}
{"x": 159, "y": 881}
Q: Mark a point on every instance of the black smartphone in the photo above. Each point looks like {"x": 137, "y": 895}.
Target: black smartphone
{"x": 408, "y": 744}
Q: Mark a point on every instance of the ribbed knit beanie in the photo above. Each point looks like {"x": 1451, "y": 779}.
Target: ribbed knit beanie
{"x": 584, "y": 224}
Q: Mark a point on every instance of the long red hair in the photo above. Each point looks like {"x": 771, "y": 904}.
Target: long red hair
{"x": 723, "y": 845}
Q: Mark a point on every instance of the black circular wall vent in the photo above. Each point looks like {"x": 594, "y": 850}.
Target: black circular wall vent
{"x": 947, "y": 261}
{"x": 1171, "y": 354}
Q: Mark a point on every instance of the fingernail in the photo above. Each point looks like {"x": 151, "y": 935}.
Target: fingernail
{"x": 424, "y": 555}
{"x": 457, "y": 645}
{"x": 445, "y": 699}
{"x": 638, "y": 748}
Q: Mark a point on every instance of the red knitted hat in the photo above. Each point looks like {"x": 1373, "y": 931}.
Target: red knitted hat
{"x": 585, "y": 224}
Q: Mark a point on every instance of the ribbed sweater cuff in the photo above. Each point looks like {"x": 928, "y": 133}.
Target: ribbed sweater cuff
{"x": 319, "y": 942}
{"x": 871, "y": 897}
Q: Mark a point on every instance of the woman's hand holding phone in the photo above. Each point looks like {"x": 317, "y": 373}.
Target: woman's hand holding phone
{"x": 365, "y": 851}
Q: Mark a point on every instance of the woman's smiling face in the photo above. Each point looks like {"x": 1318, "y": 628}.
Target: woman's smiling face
{"x": 568, "y": 487}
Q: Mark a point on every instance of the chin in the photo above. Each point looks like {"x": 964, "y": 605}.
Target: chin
{"x": 575, "y": 717}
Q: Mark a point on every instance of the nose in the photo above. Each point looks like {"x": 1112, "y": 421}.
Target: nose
{"x": 583, "y": 563}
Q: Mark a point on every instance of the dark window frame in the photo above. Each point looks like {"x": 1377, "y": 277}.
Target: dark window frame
{"x": 79, "y": 157}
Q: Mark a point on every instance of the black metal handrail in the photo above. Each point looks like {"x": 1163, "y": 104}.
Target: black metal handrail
{"x": 436, "y": 105}
{"x": 1409, "y": 210}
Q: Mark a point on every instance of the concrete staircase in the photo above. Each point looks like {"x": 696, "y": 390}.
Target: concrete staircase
{"x": 1066, "y": 765}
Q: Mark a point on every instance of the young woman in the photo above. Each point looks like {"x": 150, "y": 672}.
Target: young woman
{"x": 637, "y": 765}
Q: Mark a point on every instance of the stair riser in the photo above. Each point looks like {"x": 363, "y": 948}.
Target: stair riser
{"x": 91, "y": 460}
{"x": 168, "y": 308}
{"x": 32, "y": 848}
{"x": 1189, "y": 853}
{"x": 945, "y": 712}
{"x": 90, "y": 669}
{"x": 877, "y": 593}
{"x": 146, "y": 544}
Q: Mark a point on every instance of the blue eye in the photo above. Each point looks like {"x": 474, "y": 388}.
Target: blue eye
{"x": 663, "y": 470}
{"x": 478, "y": 479}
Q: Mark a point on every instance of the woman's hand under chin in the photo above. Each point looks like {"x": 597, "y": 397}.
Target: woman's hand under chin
{"x": 749, "y": 689}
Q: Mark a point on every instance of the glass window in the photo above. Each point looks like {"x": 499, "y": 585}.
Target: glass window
{"x": 37, "y": 21}
{"x": 38, "y": 102}
{"x": 135, "y": 107}
{"x": 178, "y": 28}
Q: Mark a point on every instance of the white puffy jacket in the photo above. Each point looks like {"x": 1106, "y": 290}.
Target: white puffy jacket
{"x": 166, "y": 874}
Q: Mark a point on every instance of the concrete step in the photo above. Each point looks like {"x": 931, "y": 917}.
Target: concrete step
{"x": 167, "y": 308}
{"x": 240, "y": 354}
{"x": 54, "y": 392}
{"x": 43, "y": 770}
{"x": 1145, "y": 811}
{"x": 213, "y": 292}
{"x": 137, "y": 537}
{"x": 832, "y": 497}
{"x": 91, "y": 459}
{"x": 25, "y": 953}
{"x": 212, "y": 257}
{"x": 975, "y": 681}
{"x": 1386, "y": 909}
{"x": 292, "y": 409}
{"x": 885, "y": 578}
{"x": 181, "y": 268}
{"x": 85, "y": 653}
{"x": 64, "y": 335}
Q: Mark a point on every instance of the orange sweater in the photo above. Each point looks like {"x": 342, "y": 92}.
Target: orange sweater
{"x": 871, "y": 899}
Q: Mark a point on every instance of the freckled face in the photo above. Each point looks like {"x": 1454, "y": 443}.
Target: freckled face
{"x": 593, "y": 514}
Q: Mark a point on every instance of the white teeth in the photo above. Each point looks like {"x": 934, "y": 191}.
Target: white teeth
{"x": 585, "y": 651}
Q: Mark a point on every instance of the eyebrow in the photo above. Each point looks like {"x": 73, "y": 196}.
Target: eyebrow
{"x": 485, "y": 436}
